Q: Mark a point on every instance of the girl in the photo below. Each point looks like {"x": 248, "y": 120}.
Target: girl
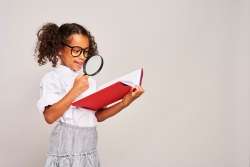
{"x": 73, "y": 141}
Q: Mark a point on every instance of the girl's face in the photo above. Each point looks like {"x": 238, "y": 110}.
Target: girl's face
{"x": 67, "y": 59}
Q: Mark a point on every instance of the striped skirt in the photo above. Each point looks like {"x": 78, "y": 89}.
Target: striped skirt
{"x": 72, "y": 146}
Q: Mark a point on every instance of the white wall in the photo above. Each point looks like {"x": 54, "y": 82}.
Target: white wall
{"x": 195, "y": 53}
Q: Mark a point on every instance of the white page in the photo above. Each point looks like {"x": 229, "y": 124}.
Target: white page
{"x": 133, "y": 78}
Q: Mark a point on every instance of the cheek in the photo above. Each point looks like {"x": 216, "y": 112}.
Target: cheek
{"x": 67, "y": 54}
{"x": 67, "y": 58}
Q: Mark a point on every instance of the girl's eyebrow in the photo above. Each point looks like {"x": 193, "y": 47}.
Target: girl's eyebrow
{"x": 75, "y": 46}
{"x": 79, "y": 46}
{"x": 82, "y": 47}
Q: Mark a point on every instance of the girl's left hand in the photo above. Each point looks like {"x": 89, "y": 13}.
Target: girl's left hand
{"x": 134, "y": 93}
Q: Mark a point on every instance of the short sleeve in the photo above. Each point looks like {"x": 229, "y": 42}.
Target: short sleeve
{"x": 50, "y": 91}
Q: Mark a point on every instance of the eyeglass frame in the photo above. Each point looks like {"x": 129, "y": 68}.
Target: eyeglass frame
{"x": 82, "y": 50}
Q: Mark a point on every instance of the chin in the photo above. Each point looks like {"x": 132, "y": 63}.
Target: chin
{"x": 76, "y": 69}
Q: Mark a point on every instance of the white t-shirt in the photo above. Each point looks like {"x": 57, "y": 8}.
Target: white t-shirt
{"x": 55, "y": 85}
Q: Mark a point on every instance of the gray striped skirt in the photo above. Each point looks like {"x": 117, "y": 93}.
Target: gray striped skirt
{"x": 72, "y": 146}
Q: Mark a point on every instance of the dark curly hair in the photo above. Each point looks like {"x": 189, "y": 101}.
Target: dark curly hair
{"x": 50, "y": 38}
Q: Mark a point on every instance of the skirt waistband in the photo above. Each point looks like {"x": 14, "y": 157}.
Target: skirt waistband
{"x": 74, "y": 126}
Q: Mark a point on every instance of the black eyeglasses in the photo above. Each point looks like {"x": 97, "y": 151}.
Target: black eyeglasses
{"x": 77, "y": 50}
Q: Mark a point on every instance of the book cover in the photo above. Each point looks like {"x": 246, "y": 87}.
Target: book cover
{"x": 111, "y": 92}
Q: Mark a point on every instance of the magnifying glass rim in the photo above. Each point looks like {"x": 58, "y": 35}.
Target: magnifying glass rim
{"x": 99, "y": 69}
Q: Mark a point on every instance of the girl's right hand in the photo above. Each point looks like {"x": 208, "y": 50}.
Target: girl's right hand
{"x": 81, "y": 83}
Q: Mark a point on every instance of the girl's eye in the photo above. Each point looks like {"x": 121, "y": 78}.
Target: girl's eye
{"x": 76, "y": 51}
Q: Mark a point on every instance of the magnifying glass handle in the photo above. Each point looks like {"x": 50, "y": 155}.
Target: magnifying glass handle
{"x": 84, "y": 72}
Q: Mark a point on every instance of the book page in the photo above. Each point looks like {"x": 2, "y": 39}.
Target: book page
{"x": 131, "y": 79}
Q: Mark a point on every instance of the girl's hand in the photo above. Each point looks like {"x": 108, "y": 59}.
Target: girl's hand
{"x": 134, "y": 93}
{"x": 80, "y": 84}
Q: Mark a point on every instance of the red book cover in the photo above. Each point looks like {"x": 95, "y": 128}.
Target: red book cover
{"x": 110, "y": 93}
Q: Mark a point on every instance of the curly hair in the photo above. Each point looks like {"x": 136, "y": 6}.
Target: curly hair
{"x": 50, "y": 38}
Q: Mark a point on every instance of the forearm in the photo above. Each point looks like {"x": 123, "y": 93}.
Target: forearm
{"x": 58, "y": 109}
{"x": 103, "y": 114}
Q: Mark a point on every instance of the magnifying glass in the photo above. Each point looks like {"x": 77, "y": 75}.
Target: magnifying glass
{"x": 93, "y": 65}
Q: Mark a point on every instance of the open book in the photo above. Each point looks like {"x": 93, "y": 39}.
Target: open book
{"x": 111, "y": 92}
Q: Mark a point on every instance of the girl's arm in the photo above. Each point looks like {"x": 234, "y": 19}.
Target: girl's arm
{"x": 105, "y": 113}
{"x": 55, "y": 111}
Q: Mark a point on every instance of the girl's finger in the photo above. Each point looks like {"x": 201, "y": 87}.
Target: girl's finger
{"x": 140, "y": 88}
{"x": 135, "y": 89}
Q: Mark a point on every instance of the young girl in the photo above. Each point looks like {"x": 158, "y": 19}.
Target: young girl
{"x": 73, "y": 141}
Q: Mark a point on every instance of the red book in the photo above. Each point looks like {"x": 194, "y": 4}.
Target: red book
{"x": 111, "y": 92}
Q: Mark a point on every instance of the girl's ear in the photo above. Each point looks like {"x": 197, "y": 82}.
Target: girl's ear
{"x": 60, "y": 52}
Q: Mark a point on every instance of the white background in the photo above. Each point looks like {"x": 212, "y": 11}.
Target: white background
{"x": 195, "y": 54}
